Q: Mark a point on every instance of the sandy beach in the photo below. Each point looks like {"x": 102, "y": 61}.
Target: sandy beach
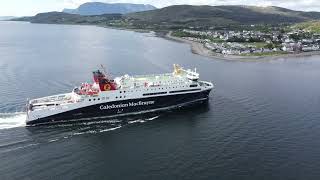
{"x": 198, "y": 48}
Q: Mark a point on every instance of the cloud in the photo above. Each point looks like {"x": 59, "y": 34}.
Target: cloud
{"x": 31, "y": 7}
{"x": 74, "y": 3}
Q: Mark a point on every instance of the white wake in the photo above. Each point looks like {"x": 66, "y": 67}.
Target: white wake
{"x": 12, "y": 120}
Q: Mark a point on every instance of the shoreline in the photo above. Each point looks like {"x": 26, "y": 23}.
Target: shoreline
{"x": 125, "y": 29}
{"x": 199, "y": 49}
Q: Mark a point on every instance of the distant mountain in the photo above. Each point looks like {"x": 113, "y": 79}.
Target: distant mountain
{"x": 98, "y": 8}
{"x": 70, "y": 11}
{"x": 4, "y": 18}
{"x": 220, "y": 15}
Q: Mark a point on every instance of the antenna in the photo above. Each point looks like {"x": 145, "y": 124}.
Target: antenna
{"x": 104, "y": 69}
{"x": 105, "y": 72}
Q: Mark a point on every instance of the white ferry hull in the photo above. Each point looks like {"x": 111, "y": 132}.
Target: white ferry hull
{"x": 118, "y": 108}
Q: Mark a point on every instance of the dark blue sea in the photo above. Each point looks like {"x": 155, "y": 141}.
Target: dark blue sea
{"x": 261, "y": 122}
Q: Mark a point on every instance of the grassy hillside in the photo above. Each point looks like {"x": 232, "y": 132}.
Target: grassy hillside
{"x": 220, "y": 15}
{"x": 312, "y": 26}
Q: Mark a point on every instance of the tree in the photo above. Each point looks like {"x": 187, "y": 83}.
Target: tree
{"x": 269, "y": 46}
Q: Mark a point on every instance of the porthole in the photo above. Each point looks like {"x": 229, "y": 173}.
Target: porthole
{"x": 116, "y": 97}
{"x": 98, "y": 99}
{"x": 89, "y": 99}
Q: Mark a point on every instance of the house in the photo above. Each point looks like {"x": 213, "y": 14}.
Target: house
{"x": 307, "y": 48}
{"x": 287, "y": 48}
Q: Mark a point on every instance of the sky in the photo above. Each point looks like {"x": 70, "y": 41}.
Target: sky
{"x": 32, "y": 7}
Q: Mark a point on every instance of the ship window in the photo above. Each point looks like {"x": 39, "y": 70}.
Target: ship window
{"x": 120, "y": 96}
{"x": 94, "y": 99}
{"x": 124, "y": 96}
{"x": 116, "y": 97}
{"x": 98, "y": 99}
{"x": 151, "y": 94}
{"x": 190, "y": 90}
{"x": 89, "y": 99}
{"x": 120, "y": 91}
{"x": 124, "y": 91}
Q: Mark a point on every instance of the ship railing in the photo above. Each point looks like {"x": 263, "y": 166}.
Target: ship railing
{"x": 57, "y": 98}
{"x": 150, "y": 75}
{"x": 51, "y": 106}
{"x": 205, "y": 84}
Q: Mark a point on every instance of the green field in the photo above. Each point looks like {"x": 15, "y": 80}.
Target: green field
{"x": 256, "y": 44}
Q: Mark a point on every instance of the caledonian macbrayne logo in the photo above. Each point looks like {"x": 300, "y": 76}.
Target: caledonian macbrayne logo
{"x": 125, "y": 105}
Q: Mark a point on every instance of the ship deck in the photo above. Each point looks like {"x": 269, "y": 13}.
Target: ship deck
{"x": 138, "y": 81}
{"x": 52, "y": 100}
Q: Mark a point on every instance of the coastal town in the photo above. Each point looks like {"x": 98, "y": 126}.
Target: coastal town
{"x": 253, "y": 43}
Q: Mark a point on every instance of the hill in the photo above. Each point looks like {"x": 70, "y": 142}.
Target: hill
{"x": 4, "y": 18}
{"x": 65, "y": 18}
{"x": 312, "y": 26}
{"x": 98, "y": 8}
{"x": 182, "y": 16}
{"x": 221, "y": 15}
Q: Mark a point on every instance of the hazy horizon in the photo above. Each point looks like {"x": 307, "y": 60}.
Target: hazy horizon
{"x": 32, "y": 7}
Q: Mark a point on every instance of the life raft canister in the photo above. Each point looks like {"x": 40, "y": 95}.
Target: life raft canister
{"x": 107, "y": 87}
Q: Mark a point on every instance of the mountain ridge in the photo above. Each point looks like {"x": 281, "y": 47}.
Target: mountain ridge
{"x": 192, "y": 15}
{"x": 99, "y": 8}
{"x": 184, "y": 16}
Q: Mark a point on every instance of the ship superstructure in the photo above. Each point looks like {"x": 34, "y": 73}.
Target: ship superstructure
{"x": 123, "y": 95}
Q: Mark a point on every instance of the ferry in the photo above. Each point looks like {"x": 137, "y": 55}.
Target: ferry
{"x": 121, "y": 96}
